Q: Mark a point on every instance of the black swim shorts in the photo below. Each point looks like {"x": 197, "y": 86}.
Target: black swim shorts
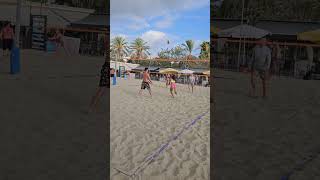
{"x": 145, "y": 85}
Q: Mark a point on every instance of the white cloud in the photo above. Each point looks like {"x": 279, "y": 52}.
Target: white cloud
{"x": 135, "y": 15}
{"x": 138, "y": 23}
{"x": 166, "y": 22}
{"x": 156, "y": 40}
{"x": 146, "y": 8}
{"x": 122, "y": 22}
{"x": 116, "y": 35}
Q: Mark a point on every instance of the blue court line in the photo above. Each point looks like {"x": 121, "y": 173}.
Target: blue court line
{"x": 300, "y": 165}
{"x": 156, "y": 153}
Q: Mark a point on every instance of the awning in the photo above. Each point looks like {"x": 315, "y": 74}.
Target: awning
{"x": 186, "y": 71}
{"x": 169, "y": 71}
{"x": 243, "y": 31}
{"x": 206, "y": 73}
{"x": 151, "y": 69}
{"x": 93, "y": 21}
{"x": 312, "y": 36}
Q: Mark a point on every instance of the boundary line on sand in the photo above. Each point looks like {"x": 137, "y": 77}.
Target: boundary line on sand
{"x": 301, "y": 165}
{"x": 149, "y": 159}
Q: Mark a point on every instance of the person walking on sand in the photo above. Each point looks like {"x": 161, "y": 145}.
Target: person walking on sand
{"x": 192, "y": 81}
{"x": 146, "y": 81}
{"x": 260, "y": 66}
{"x": 167, "y": 80}
{"x": 58, "y": 39}
{"x": 101, "y": 89}
{"x": 7, "y": 36}
{"x": 111, "y": 72}
{"x": 196, "y": 80}
{"x": 173, "y": 85}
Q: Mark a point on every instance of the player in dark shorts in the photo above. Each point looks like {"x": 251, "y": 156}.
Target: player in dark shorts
{"x": 103, "y": 84}
{"x": 145, "y": 85}
{"x": 146, "y": 81}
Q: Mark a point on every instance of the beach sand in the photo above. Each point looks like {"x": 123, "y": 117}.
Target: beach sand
{"x": 140, "y": 125}
{"x": 265, "y": 138}
{"x": 45, "y": 130}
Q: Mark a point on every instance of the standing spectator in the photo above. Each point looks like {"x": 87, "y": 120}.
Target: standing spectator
{"x": 7, "y": 36}
{"x": 196, "y": 79}
{"x": 192, "y": 81}
{"x": 58, "y": 39}
{"x": 260, "y": 66}
{"x": 112, "y": 72}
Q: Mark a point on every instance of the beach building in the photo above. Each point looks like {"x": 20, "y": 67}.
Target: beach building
{"x": 57, "y": 15}
{"x": 92, "y": 31}
{"x": 82, "y": 27}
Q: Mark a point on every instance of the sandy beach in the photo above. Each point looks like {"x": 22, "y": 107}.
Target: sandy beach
{"x": 140, "y": 125}
{"x": 45, "y": 132}
{"x": 266, "y": 138}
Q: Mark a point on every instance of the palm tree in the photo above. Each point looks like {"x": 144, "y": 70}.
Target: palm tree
{"x": 205, "y": 50}
{"x": 177, "y": 52}
{"x": 189, "y": 47}
{"x": 139, "y": 48}
{"x": 163, "y": 54}
{"x": 119, "y": 47}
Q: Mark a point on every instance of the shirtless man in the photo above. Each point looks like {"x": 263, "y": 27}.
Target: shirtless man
{"x": 146, "y": 82}
{"x": 260, "y": 66}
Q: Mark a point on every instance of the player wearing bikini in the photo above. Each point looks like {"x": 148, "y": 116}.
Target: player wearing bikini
{"x": 173, "y": 85}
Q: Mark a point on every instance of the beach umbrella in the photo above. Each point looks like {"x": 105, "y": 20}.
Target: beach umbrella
{"x": 169, "y": 71}
{"x": 313, "y": 36}
{"x": 206, "y": 72}
{"x": 186, "y": 71}
{"x": 243, "y": 31}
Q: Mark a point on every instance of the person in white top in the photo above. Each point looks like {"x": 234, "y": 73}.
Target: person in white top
{"x": 192, "y": 81}
{"x": 260, "y": 65}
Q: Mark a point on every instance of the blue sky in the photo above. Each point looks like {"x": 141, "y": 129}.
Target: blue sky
{"x": 157, "y": 21}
